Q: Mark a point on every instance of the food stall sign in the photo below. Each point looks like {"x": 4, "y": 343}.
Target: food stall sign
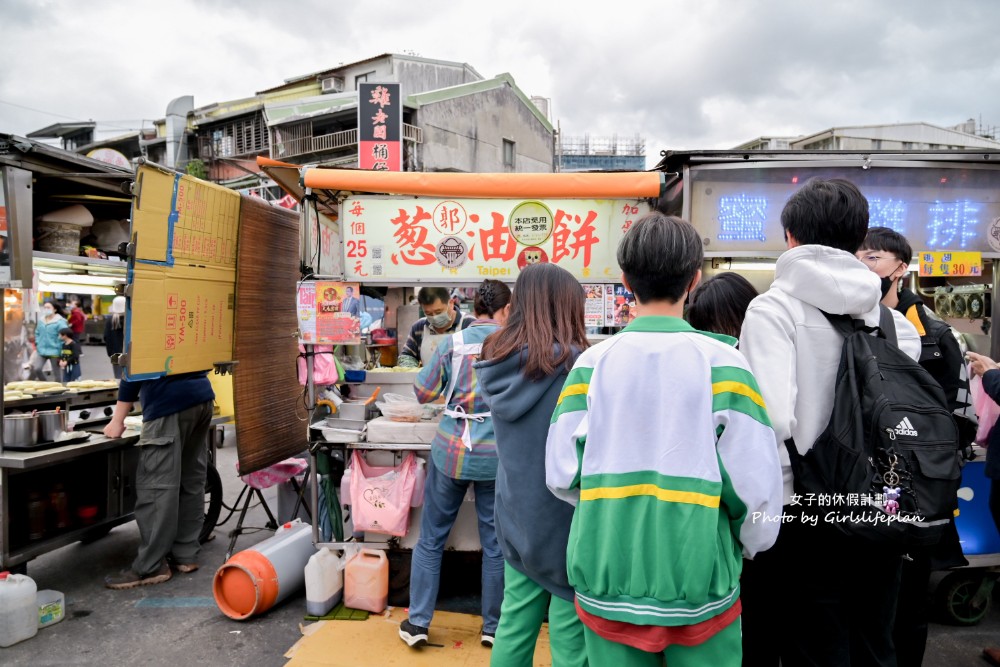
{"x": 183, "y": 279}
{"x": 397, "y": 239}
{"x": 380, "y": 127}
{"x": 951, "y": 264}
{"x": 737, "y": 209}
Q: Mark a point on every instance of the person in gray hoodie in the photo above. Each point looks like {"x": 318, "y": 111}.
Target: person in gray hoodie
{"x": 521, "y": 373}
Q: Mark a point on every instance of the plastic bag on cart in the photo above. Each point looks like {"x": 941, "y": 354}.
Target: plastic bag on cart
{"x": 986, "y": 408}
{"x": 380, "y": 495}
{"x": 326, "y": 367}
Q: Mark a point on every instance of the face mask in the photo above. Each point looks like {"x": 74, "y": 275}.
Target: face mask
{"x": 887, "y": 284}
{"x": 439, "y": 321}
{"x": 48, "y": 311}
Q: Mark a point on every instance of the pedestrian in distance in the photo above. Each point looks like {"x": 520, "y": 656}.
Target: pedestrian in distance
{"x": 463, "y": 455}
{"x": 69, "y": 362}
{"x": 522, "y": 371}
{"x": 664, "y": 516}
{"x": 48, "y": 345}
{"x": 114, "y": 332}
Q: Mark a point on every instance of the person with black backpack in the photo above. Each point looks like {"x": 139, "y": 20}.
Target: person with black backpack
{"x": 818, "y": 597}
{"x": 887, "y": 253}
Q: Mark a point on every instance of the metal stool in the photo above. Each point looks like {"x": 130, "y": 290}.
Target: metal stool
{"x": 256, "y": 482}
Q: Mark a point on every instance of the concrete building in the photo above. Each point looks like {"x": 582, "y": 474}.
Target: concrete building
{"x": 894, "y": 137}
{"x": 454, "y": 119}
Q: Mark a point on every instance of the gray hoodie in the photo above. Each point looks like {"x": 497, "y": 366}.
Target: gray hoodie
{"x": 532, "y": 524}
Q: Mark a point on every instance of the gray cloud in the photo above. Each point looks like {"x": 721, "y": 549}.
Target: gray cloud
{"x": 685, "y": 75}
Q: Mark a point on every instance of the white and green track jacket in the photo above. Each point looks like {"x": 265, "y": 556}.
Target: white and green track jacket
{"x": 662, "y": 441}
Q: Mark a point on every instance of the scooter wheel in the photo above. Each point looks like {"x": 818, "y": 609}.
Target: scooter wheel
{"x": 957, "y": 593}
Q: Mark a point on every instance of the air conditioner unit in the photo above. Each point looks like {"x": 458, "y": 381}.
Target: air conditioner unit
{"x": 333, "y": 84}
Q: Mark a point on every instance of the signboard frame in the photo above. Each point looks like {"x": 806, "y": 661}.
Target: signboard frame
{"x": 607, "y": 274}
{"x": 851, "y": 169}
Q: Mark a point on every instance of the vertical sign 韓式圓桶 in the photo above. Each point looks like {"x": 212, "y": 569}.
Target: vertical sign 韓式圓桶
{"x": 380, "y": 127}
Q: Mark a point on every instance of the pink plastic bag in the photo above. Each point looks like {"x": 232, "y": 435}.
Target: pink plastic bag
{"x": 380, "y": 495}
{"x": 987, "y": 410}
{"x": 325, "y": 370}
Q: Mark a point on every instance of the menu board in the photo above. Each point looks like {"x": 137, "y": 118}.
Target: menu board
{"x": 329, "y": 313}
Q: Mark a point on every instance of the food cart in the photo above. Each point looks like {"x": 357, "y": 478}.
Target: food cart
{"x": 390, "y": 233}
{"x": 54, "y": 493}
{"x": 947, "y": 205}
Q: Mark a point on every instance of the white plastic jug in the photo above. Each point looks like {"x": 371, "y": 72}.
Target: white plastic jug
{"x": 324, "y": 582}
{"x": 18, "y": 608}
{"x": 366, "y": 581}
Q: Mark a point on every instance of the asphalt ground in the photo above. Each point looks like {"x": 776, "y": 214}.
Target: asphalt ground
{"x": 178, "y": 622}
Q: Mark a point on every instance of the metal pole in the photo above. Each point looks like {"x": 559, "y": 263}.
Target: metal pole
{"x": 995, "y": 312}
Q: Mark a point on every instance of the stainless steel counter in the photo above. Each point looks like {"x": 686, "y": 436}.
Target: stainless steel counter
{"x": 45, "y": 457}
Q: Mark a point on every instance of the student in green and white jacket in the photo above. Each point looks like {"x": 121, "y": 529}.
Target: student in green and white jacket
{"x": 667, "y": 507}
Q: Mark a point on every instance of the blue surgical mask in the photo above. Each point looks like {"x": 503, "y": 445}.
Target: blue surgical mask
{"x": 48, "y": 310}
{"x": 439, "y": 321}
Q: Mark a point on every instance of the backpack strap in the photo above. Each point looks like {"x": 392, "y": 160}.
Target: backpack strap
{"x": 887, "y": 324}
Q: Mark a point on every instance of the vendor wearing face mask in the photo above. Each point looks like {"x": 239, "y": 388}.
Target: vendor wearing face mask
{"x": 48, "y": 346}
{"x": 441, "y": 319}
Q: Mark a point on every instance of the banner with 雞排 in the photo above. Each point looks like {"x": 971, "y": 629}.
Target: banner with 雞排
{"x": 380, "y": 127}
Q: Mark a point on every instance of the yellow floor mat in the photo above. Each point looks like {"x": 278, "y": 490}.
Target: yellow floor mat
{"x": 376, "y": 642}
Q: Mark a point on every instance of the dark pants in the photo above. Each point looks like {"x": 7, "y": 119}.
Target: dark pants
{"x": 995, "y": 502}
{"x": 170, "y": 487}
{"x": 817, "y": 598}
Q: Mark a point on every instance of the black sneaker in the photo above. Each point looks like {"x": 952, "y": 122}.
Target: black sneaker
{"x": 414, "y": 635}
{"x": 487, "y": 638}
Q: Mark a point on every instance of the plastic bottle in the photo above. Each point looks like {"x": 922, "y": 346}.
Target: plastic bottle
{"x": 366, "y": 581}
{"x": 18, "y": 608}
{"x": 324, "y": 582}
{"x": 345, "y": 487}
{"x": 51, "y": 607}
{"x": 60, "y": 507}
{"x": 417, "y": 499}
{"x": 36, "y": 516}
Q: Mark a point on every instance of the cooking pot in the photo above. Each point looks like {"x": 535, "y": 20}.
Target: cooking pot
{"x": 20, "y": 430}
{"x": 51, "y": 424}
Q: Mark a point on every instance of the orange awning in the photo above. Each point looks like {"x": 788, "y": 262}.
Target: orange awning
{"x": 610, "y": 185}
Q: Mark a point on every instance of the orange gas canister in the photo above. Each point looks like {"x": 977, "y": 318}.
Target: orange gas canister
{"x": 366, "y": 581}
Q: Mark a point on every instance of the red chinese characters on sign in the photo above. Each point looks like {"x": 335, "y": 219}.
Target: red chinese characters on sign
{"x": 497, "y": 241}
{"x": 629, "y": 211}
{"x": 583, "y": 238}
{"x": 411, "y": 237}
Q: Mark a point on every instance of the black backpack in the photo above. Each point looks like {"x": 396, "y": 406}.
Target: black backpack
{"x": 891, "y": 440}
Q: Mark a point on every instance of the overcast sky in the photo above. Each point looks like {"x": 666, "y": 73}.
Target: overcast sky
{"x": 699, "y": 74}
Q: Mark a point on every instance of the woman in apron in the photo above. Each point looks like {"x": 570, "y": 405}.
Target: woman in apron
{"x": 463, "y": 453}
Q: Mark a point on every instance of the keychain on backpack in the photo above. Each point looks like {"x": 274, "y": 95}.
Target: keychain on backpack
{"x": 891, "y": 502}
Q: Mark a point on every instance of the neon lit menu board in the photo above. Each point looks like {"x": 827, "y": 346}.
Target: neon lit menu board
{"x": 738, "y": 210}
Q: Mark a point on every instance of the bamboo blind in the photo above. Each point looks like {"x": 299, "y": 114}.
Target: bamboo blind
{"x": 266, "y": 391}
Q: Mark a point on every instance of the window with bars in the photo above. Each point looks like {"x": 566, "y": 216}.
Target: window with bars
{"x": 244, "y": 136}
